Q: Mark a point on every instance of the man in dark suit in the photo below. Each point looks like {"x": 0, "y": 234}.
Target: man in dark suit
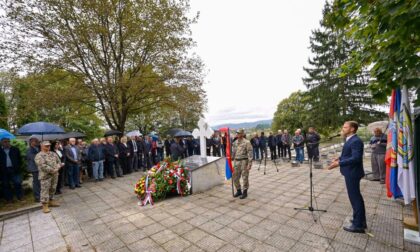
{"x": 10, "y": 163}
{"x": 351, "y": 167}
{"x": 111, "y": 158}
{"x": 134, "y": 150}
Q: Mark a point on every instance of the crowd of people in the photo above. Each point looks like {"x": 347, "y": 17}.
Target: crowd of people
{"x": 280, "y": 145}
{"x": 117, "y": 156}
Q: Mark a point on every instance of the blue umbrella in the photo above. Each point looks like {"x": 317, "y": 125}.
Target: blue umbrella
{"x": 40, "y": 128}
{"x": 6, "y": 134}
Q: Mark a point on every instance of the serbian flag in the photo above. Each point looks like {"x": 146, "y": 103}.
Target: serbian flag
{"x": 391, "y": 155}
{"x": 229, "y": 166}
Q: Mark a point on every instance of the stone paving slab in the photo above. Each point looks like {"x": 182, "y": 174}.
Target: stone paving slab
{"x": 105, "y": 217}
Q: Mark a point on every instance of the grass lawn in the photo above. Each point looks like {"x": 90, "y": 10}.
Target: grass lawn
{"x": 28, "y": 201}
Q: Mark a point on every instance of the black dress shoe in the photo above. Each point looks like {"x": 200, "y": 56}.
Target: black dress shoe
{"x": 78, "y": 186}
{"x": 353, "y": 229}
{"x": 244, "y": 194}
{"x": 237, "y": 194}
{"x": 373, "y": 179}
{"x": 364, "y": 225}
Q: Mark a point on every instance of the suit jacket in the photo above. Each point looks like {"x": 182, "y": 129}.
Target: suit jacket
{"x": 110, "y": 151}
{"x": 131, "y": 147}
{"x": 15, "y": 157}
{"x": 123, "y": 150}
{"x": 351, "y": 159}
{"x": 70, "y": 158}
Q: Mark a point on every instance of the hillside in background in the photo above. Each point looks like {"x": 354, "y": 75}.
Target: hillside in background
{"x": 246, "y": 125}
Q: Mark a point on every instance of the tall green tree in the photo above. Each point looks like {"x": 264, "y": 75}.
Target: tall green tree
{"x": 292, "y": 113}
{"x": 3, "y": 112}
{"x": 336, "y": 98}
{"x": 56, "y": 96}
{"x": 388, "y": 36}
{"x": 128, "y": 53}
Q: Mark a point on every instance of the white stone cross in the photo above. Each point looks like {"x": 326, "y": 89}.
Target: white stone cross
{"x": 204, "y": 131}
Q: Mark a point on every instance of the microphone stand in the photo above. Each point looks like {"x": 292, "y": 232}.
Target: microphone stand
{"x": 311, "y": 208}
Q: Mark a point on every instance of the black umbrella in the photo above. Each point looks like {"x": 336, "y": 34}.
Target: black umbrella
{"x": 113, "y": 133}
{"x": 74, "y": 134}
{"x": 183, "y": 133}
{"x": 40, "y": 128}
{"x": 173, "y": 131}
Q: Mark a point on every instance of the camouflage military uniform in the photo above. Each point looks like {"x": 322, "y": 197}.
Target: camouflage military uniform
{"x": 48, "y": 165}
{"x": 242, "y": 154}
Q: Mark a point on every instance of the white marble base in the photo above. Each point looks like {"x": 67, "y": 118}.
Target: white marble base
{"x": 206, "y": 173}
{"x": 411, "y": 236}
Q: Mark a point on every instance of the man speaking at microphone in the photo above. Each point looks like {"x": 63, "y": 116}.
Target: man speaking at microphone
{"x": 351, "y": 167}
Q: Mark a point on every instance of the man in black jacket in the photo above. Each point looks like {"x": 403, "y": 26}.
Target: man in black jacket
{"x": 312, "y": 144}
{"x": 279, "y": 144}
{"x": 10, "y": 163}
{"x": 272, "y": 143}
{"x": 111, "y": 158}
{"x": 167, "y": 144}
{"x": 141, "y": 147}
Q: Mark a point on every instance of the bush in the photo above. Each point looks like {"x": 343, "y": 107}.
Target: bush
{"x": 22, "y": 146}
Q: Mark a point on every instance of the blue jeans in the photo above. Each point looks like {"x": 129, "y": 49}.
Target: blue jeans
{"x": 256, "y": 152}
{"x": 98, "y": 169}
{"x": 73, "y": 174}
{"x": 16, "y": 180}
{"x": 299, "y": 154}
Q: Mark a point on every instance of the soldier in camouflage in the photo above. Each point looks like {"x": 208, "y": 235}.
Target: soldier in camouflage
{"x": 48, "y": 165}
{"x": 242, "y": 156}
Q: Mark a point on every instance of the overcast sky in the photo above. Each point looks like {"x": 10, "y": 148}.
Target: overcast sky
{"x": 254, "y": 52}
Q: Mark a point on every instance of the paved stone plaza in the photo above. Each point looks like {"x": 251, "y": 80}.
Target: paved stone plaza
{"x": 105, "y": 217}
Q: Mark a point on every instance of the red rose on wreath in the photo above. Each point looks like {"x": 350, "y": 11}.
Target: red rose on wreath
{"x": 170, "y": 181}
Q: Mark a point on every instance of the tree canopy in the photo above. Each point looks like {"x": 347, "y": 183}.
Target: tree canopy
{"x": 388, "y": 36}
{"x": 336, "y": 98}
{"x": 292, "y": 113}
{"x": 130, "y": 55}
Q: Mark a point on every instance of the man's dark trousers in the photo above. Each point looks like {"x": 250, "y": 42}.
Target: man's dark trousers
{"x": 313, "y": 152}
{"x": 16, "y": 180}
{"x": 356, "y": 200}
{"x": 134, "y": 162}
{"x": 280, "y": 150}
{"x": 36, "y": 185}
{"x": 73, "y": 174}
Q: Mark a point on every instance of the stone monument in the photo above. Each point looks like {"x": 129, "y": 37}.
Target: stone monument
{"x": 206, "y": 172}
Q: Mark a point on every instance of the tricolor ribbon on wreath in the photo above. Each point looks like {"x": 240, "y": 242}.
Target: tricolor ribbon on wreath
{"x": 148, "y": 197}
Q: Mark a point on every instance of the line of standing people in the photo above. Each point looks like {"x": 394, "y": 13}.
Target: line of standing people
{"x": 280, "y": 145}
